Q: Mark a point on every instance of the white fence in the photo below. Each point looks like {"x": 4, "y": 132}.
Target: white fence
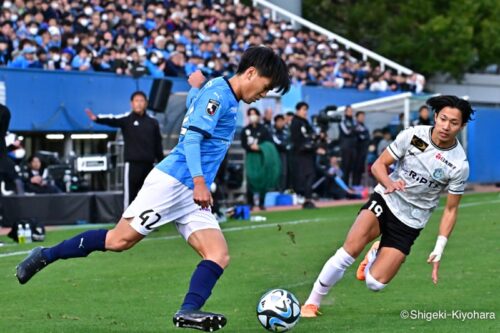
{"x": 365, "y": 53}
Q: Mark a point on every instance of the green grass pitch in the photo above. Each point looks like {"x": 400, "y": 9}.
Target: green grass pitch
{"x": 139, "y": 290}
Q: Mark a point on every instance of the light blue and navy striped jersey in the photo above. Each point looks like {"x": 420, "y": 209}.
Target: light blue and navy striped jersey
{"x": 212, "y": 112}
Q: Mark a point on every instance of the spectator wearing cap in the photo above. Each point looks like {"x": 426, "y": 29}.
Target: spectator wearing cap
{"x": 55, "y": 36}
{"x": 175, "y": 65}
{"x": 27, "y": 58}
{"x": 66, "y": 59}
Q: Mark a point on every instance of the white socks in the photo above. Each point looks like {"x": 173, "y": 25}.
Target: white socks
{"x": 332, "y": 271}
{"x": 373, "y": 284}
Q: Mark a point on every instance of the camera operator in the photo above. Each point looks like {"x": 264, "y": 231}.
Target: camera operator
{"x": 303, "y": 153}
{"x": 348, "y": 140}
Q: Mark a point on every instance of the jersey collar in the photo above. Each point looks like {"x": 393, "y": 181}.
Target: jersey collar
{"x": 234, "y": 94}
{"x": 436, "y": 146}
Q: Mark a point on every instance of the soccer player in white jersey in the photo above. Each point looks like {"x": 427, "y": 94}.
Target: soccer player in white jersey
{"x": 429, "y": 160}
{"x": 176, "y": 189}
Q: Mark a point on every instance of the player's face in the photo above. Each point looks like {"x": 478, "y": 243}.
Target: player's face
{"x": 448, "y": 122}
{"x": 138, "y": 104}
{"x": 255, "y": 86}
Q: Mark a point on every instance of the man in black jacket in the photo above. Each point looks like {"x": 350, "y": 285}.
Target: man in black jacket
{"x": 303, "y": 153}
{"x": 281, "y": 138}
{"x": 362, "y": 143}
{"x": 348, "y": 140}
{"x": 143, "y": 146}
{"x": 8, "y": 176}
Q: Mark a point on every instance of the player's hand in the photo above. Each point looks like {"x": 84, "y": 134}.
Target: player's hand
{"x": 196, "y": 79}
{"x": 90, "y": 114}
{"x": 201, "y": 193}
{"x": 398, "y": 185}
{"x": 435, "y": 267}
{"x": 255, "y": 147}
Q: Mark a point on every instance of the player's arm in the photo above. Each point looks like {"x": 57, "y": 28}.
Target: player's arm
{"x": 201, "y": 193}
{"x": 448, "y": 221}
{"x": 109, "y": 120}
{"x": 201, "y": 124}
{"x": 379, "y": 170}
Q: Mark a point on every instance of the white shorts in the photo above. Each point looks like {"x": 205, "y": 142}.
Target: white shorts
{"x": 163, "y": 199}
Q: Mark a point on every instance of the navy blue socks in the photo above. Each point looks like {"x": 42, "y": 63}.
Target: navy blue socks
{"x": 203, "y": 281}
{"x": 79, "y": 246}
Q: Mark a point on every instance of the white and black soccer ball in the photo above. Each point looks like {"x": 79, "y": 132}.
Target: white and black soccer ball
{"x": 278, "y": 310}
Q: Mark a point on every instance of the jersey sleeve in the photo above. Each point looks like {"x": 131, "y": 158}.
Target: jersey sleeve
{"x": 399, "y": 146}
{"x": 111, "y": 119}
{"x": 459, "y": 179}
{"x": 208, "y": 108}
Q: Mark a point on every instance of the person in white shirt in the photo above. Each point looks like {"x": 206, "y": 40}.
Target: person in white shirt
{"x": 429, "y": 160}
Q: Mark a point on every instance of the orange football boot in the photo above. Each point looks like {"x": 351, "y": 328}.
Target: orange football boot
{"x": 309, "y": 311}
{"x": 360, "y": 273}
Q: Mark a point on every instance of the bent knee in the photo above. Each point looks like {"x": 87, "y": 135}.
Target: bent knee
{"x": 221, "y": 259}
{"x": 118, "y": 244}
{"x": 372, "y": 283}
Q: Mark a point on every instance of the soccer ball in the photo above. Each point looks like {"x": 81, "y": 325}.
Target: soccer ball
{"x": 278, "y": 310}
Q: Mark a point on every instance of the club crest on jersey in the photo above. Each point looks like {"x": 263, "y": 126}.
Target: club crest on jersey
{"x": 438, "y": 174}
{"x": 212, "y": 106}
{"x": 419, "y": 143}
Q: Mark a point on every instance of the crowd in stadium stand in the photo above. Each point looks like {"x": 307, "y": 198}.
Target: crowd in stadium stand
{"x": 174, "y": 38}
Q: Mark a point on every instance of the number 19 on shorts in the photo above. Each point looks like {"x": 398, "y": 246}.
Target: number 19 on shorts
{"x": 376, "y": 208}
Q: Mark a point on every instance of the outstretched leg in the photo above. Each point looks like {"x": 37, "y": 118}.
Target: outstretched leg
{"x": 212, "y": 247}
{"x": 365, "y": 229}
{"x": 120, "y": 238}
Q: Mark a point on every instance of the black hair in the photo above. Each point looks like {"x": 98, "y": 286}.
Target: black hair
{"x": 32, "y": 157}
{"x": 290, "y": 113}
{"x": 300, "y": 105}
{"x": 138, "y": 93}
{"x": 268, "y": 64}
{"x": 423, "y": 107}
{"x": 253, "y": 109}
{"x": 439, "y": 102}
{"x": 360, "y": 112}
{"x": 278, "y": 117}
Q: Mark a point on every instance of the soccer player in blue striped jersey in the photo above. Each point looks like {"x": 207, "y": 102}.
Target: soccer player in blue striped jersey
{"x": 176, "y": 190}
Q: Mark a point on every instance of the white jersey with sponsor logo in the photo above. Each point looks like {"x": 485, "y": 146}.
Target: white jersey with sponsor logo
{"x": 427, "y": 170}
